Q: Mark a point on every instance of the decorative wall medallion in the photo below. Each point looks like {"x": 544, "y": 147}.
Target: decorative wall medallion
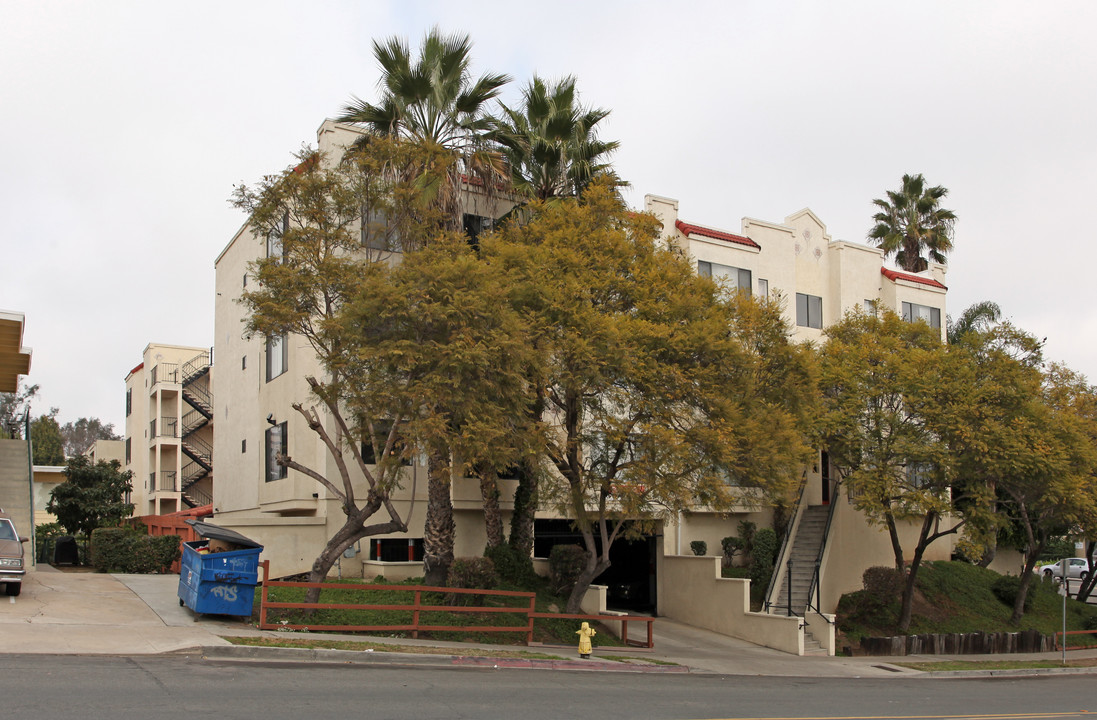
{"x": 797, "y": 248}
{"x": 818, "y": 253}
{"x": 807, "y": 234}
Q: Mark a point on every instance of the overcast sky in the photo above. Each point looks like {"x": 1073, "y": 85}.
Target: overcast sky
{"x": 125, "y": 125}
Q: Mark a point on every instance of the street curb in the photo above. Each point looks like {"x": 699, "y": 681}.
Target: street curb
{"x": 367, "y": 657}
{"x": 1012, "y": 672}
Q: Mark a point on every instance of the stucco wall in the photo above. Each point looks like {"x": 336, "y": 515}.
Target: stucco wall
{"x": 691, "y": 591}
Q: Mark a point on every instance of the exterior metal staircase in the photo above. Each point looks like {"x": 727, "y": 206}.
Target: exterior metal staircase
{"x": 196, "y": 392}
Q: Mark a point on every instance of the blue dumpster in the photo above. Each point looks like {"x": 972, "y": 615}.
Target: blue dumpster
{"x": 219, "y": 583}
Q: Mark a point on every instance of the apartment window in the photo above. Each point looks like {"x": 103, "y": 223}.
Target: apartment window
{"x": 376, "y": 233}
{"x": 276, "y": 442}
{"x": 396, "y": 549}
{"x": 920, "y": 474}
{"x": 275, "y": 249}
{"x": 809, "y": 310}
{"x": 383, "y": 430}
{"x": 763, "y": 288}
{"x": 244, "y": 362}
{"x": 129, "y": 401}
{"x": 127, "y": 451}
{"x": 735, "y": 278}
{"x": 277, "y": 356}
{"x": 870, "y": 307}
{"x": 243, "y": 446}
{"x": 912, "y": 312}
{"x": 245, "y": 280}
{"x": 474, "y": 225}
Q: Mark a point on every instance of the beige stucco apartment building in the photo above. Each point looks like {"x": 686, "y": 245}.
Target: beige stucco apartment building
{"x": 168, "y": 442}
{"x": 258, "y": 379}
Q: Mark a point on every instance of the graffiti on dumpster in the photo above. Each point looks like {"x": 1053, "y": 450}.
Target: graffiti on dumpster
{"x": 225, "y": 592}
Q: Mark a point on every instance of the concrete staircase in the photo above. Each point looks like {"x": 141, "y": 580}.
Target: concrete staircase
{"x": 805, "y": 550}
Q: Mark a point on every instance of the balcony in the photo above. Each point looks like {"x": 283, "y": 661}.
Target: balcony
{"x": 167, "y": 482}
{"x": 167, "y": 427}
{"x": 165, "y": 373}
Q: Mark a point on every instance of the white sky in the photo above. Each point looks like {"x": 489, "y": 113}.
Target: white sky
{"x": 125, "y": 125}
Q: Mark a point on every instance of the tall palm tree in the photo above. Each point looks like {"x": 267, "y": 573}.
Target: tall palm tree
{"x": 432, "y": 99}
{"x": 911, "y": 223}
{"x": 550, "y": 142}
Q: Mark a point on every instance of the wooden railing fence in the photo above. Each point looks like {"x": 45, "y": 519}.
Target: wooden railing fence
{"x": 417, "y": 608}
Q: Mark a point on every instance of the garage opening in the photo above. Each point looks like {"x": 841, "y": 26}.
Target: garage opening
{"x": 630, "y": 579}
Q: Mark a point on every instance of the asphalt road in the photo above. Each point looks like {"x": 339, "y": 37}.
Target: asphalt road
{"x": 189, "y": 687}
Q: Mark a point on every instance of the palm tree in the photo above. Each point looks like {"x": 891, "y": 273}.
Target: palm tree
{"x": 978, "y": 318}
{"x": 431, "y": 100}
{"x": 911, "y": 222}
{"x": 550, "y": 142}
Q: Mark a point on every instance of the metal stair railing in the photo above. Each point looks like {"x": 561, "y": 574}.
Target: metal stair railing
{"x": 196, "y": 498}
{"x": 786, "y": 549}
{"x": 193, "y": 421}
{"x": 193, "y": 472}
{"x": 198, "y": 450}
{"x": 196, "y": 367}
{"x": 200, "y": 398}
{"x": 814, "y": 594}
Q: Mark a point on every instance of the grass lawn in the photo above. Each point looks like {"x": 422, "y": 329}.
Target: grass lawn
{"x": 955, "y": 597}
{"x": 546, "y": 630}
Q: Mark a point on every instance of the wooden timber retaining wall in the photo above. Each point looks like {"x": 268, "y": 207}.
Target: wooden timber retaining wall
{"x": 978, "y": 643}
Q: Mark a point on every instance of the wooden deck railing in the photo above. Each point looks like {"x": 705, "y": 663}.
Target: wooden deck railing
{"x": 416, "y": 607}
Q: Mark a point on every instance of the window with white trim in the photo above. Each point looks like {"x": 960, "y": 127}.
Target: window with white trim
{"x": 277, "y": 356}
{"x": 809, "y": 311}
{"x": 913, "y": 312}
{"x": 276, "y": 441}
{"x": 736, "y": 278}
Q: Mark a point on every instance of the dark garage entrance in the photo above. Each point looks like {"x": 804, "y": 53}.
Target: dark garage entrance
{"x": 630, "y": 579}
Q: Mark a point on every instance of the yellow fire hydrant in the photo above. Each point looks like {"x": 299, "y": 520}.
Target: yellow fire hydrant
{"x": 585, "y": 633}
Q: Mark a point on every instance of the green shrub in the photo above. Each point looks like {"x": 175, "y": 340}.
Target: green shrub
{"x": 761, "y": 562}
{"x": 130, "y": 551}
{"x": 699, "y": 548}
{"x": 731, "y": 546}
{"x": 471, "y": 572}
{"x": 883, "y": 582}
{"x": 746, "y": 535}
{"x": 511, "y": 566}
{"x": 566, "y": 563}
{"x": 1006, "y": 588}
{"x": 883, "y": 585}
{"x": 45, "y": 539}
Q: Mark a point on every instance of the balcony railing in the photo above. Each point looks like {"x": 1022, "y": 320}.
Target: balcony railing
{"x": 165, "y": 372}
{"x": 167, "y": 482}
{"x": 168, "y": 427}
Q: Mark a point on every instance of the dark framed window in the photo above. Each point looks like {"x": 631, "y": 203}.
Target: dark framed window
{"x": 734, "y": 277}
{"x": 244, "y": 445}
{"x": 127, "y": 451}
{"x": 809, "y": 311}
{"x": 275, "y": 247}
{"x": 277, "y": 356}
{"x": 396, "y": 549}
{"x": 383, "y": 430}
{"x": 475, "y": 225}
{"x": 244, "y": 362}
{"x": 277, "y": 441}
{"x": 913, "y": 312}
{"x": 129, "y": 401}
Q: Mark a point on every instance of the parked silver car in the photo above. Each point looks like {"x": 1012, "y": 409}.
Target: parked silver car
{"x": 1076, "y": 568}
{"x": 11, "y": 556}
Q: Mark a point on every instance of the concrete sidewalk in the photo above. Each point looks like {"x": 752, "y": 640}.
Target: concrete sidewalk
{"x": 95, "y": 614}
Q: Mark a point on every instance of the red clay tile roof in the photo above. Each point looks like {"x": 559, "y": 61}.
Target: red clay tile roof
{"x": 687, "y": 229}
{"x": 896, "y": 275}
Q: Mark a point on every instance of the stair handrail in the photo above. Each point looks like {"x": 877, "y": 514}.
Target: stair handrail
{"x": 200, "y": 393}
{"x": 814, "y": 593}
{"x": 196, "y": 366}
{"x": 785, "y": 549}
{"x": 193, "y": 420}
{"x": 192, "y": 473}
{"x": 197, "y": 446}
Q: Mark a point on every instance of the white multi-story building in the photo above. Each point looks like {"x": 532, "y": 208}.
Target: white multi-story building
{"x": 259, "y": 379}
{"x": 168, "y": 443}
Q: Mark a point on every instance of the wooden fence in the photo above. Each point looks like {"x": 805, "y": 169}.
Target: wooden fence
{"x": 174, "y": 524}
{"x": 416, "y": 607}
